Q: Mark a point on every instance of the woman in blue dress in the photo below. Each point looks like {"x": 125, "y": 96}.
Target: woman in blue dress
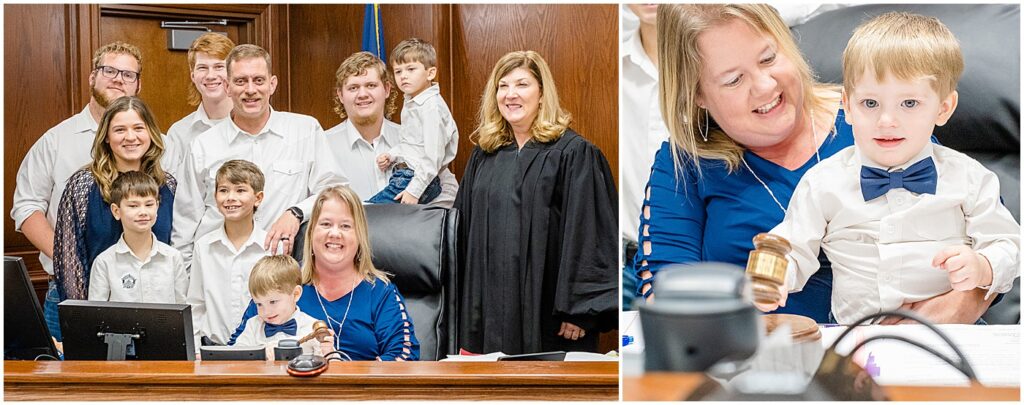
{"x": 746, "y": 121}
{"x": 127, "y": 139}
{"x": 341, "y": 286}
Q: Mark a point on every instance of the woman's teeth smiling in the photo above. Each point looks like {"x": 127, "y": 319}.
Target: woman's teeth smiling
{"x": 765, "y": 109}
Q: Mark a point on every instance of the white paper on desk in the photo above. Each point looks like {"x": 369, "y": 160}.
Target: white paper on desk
{"x": 570, "y": 356}
{"x": 992, "y": 350}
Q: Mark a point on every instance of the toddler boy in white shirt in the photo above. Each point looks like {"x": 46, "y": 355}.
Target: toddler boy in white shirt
{"x": 276, "y": 285}
{"x": 138, "y": 268}
{"x": 223, "y": 259}
{"x": 428, "y": 139}
{"x": 901, "y": 219}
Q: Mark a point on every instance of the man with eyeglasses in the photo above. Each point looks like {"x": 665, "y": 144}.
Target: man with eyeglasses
{"x": 65, "y": 148}
{"x": 209, "y": 91}
{"x": 290, "y": 149}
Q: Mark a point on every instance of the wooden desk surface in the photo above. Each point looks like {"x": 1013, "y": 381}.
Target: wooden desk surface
{"x": 248, "y": 380}
{"x": 676, "y": 386}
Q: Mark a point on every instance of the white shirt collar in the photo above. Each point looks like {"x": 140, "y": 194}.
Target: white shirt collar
{"x": 633, "y": 50}
{"x": 121, "y": 247}
{"x": 352, "y": 135}
{"x": 84, "y": 122}
{"x": 256, "y": 237}
{"x": 274, "y": 125}
{"x": 433, "y": 90}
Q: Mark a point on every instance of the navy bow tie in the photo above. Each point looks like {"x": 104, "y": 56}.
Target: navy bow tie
{"x": 920, "y": 178}
{"x": 287, "y": 327}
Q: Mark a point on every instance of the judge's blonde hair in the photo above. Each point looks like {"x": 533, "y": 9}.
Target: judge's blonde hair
{"x": 493, "y": 131}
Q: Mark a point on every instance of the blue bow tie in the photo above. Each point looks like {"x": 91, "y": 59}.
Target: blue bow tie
{"x": 287, "y": 327}
{"x": 920, "y": 178}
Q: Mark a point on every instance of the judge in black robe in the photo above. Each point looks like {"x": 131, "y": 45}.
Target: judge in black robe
{"x": 537, "y": 246}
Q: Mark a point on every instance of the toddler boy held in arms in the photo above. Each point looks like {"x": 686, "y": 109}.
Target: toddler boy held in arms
{"x": 428, "y": 139}
{"x": 901, "y": 219}
{"x": 138, "y": 268}
{"x": 276, "y": 285}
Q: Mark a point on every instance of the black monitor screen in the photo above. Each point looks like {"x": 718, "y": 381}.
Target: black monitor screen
{"x": 142, "y": 331}
{"x": 26, "y": 336}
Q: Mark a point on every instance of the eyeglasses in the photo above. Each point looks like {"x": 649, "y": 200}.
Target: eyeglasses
{"x": 112, "y": 72}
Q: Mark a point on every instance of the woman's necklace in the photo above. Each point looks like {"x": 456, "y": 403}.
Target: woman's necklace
{"x": 814, "y": 138}
{"x": 331, "y": 321}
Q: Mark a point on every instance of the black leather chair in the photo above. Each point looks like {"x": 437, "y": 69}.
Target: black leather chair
{"x": 417, "y": 246}
{"x": 986, "y": 124}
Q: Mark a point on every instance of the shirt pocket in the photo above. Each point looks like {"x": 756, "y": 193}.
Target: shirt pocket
{"x": 287, "y": 175}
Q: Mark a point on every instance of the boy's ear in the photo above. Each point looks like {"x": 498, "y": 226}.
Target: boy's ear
{"x": 259, "y": 199}
{"x": 114, "y": 210}
{"x": 431, "y": 73}
{"x": 947, "y": 107}
{"x": 297, "y": 293}
{"x": 846, "y": 107}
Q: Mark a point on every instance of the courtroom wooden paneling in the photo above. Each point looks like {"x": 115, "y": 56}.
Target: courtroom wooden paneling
{"x": 580, "y": 42}
{"x": 255, "y": 380}
{"x": 323, "y": 35}
{"x": 38, "y": 72}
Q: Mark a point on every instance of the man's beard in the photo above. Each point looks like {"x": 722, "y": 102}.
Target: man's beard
{"x": 101, "y": 99}
{"x": 367, "y": 120}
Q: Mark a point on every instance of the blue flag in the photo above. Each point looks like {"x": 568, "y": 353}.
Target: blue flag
{"x": 373, "y": 32}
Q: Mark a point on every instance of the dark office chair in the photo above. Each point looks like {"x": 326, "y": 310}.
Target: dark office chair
{"x": 986, "y": 123}
{"x": 416, "y": 244}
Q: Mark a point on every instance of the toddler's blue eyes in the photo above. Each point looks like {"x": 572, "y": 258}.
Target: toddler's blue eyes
{"x": 910, "y": 103}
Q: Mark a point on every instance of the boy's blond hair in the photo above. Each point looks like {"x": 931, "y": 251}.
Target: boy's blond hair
{"x": 133, "y": 183}
{"x": 414, "y": 50}
{"x": 277, "y": 273}
{"x": 357, "y": 65}
{"x": 908, "y": 46}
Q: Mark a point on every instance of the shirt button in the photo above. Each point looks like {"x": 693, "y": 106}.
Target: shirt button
{"x": 899, "y": 200}
{"x": 890, "y": 229}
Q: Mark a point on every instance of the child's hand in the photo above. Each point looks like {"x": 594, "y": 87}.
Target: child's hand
{"x": 327, "y": 343}
{"x": 967, "y": 269}
{"x": 384, "y": 162}
{"x": 406, "y": 198}
{"x": 783, "y": 296}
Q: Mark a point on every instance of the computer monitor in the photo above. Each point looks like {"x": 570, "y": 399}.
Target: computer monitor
{"x": 26, "y": 336}
{"x": 102, "y": 330}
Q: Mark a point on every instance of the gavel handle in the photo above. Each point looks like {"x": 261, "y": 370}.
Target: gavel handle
{"x": 314, "y": 334}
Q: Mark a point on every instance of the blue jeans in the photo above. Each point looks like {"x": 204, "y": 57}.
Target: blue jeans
{"x": 399, "y": 182}
{"x": 50, "y": 310}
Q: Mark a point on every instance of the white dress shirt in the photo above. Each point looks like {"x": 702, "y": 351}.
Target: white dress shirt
{"x": 117, "y": 275}
{"x": 292, "y": 152}
{"x": 881, "y": 250}
{"x": 428, "y": 143}
{"x": 218, "y": 289}
{"x": 179, "y": 139}
{"x": 358, "y": 158}
{"x": 641, "y": 130}
{"x": 58, "y": 154}
{"x": 253, "y": 334}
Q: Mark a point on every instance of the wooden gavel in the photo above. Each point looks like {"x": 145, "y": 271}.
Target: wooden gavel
{"x": 766, "y": 267}
{"x": 320, "y": 331}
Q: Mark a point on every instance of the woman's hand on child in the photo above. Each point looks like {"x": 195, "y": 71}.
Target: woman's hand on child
{"x": 383, "y": 161}
{"x": 406, "y": 198}
{"x": 966, "y": 268}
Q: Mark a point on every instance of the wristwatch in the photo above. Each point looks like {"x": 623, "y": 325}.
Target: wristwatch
{"x": 297, "y": 212}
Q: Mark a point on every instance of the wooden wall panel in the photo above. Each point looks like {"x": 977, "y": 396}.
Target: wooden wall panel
{"x": 37, "y": 96}
{"x": 579, "y": 42}
{"x": 323, "y": 35}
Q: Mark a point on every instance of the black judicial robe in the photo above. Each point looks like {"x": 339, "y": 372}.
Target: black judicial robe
{"x": 537, "y": 246}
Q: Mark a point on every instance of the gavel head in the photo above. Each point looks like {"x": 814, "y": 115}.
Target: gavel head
{"x": 766, "y": 267}
{"x": 320, "y": 330}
